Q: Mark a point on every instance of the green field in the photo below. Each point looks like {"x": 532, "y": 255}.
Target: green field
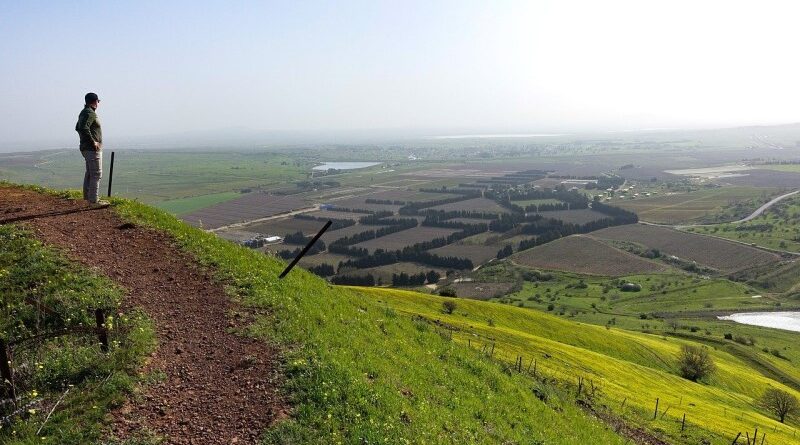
{"x": 186, "y": 205}
{"x": 154, "y": 176}
{"x": 336, "y": 329}
{"x": 360, "y": 372}
{"x": 661, "y": 293}
{"x": 777, "y": 228}
{"x": 704, "y": 205}
{"x": 637, "y": 368}
{"x": 793, "y": 168}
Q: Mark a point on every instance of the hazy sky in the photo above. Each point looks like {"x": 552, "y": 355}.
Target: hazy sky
{"x": 439, "y": 66}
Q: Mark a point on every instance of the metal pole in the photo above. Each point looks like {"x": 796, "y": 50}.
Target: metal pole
{"x": 110, "y": 174}
{"x": 305, "y": 249}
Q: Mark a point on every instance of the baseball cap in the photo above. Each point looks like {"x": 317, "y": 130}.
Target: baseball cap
{"x": 91, "y": 97}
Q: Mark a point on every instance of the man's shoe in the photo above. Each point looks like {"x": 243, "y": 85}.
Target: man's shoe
{"x": 100, "y": 203}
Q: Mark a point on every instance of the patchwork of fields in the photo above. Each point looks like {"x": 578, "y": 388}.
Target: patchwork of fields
{"x": 724, "y": 256}
{"x": 585, "y": 255}
{"x": 698, "y": 206}
{"x": 249, "y": 207}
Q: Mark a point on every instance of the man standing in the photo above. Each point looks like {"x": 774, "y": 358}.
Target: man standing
{"x": 91, "y": 145}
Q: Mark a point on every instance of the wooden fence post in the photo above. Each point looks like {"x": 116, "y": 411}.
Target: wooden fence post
{"x": 102, "y": 332}
{"x": 7, "y": 372}
{"x": 655, "y": 413}
{"x": 683, "y": 422}
{"x": 736, "y": 439}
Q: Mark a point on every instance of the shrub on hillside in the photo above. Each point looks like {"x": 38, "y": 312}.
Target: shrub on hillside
{"x": 630, "y": 287}
{"x": 779, "y": 402}
{"x": 449, "y": 306}
{"x": 448, "y": 292}
{"x": 695, "y": 363}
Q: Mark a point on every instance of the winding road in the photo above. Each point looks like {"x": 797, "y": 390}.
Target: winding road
{"x": 751, "y": 216}
{"x": 761, "y": 209}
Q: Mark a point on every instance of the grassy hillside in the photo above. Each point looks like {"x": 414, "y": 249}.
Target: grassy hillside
{"x": 634, "y": 367}
{"x": 776, "y": 228}
{"x": 43, "y": 293}
{"x": 369, "y": 365}
{"x": 359, "y": 372}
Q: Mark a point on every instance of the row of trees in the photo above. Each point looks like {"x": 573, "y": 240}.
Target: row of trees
{"x": 383, "y": 257}
{"x": 413, "y": 208}
{"x": 378, "y": 220}
{"x": 323, "y": 270}
{"x": 442, "y": 215}
{"x": 396, "y": 202}
{"x": 471, "y": 192}
{"x": 287, "y": 254}
{"x": 335, "y": 223}
{"x": 573, "y": 198}
{"x": 546, "y": 207}
{"x": 365, "y": 236}
{"x": 404, "y": 279}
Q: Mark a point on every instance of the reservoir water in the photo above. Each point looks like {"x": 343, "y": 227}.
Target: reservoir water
{"x": 789, "y": 321}
{"x": 344, "y": 165}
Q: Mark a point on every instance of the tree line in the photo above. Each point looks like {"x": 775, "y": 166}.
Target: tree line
{"x": 413, "y": 208}
{"x": 404, "y": 279}
{"x": 395, "y": 202}
{"x": 412, "y": 254}
{"x": 335, "y": 223}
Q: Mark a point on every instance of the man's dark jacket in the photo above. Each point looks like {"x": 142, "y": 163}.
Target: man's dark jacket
{"x": 88, "y": 128}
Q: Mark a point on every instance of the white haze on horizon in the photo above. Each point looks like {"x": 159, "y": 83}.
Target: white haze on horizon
{"x": 444, "y": 68}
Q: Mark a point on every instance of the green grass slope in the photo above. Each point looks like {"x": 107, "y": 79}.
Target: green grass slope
{"x": 627, "y": 366}
{"x": 369, "y": 365}
{"x": 43, "y": 293}
{"x": 359, "y": 372}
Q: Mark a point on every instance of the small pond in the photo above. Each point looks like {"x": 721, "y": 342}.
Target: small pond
{"x": 344, "y": 165}
{"x": 789, "y": 321}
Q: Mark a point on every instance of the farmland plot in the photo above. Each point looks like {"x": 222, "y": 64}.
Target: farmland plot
{"x": 582, "y": 254}
{"x": 579, "y": 216}
{"x": 398, "y": 240}
{"x": 282, "y": 227}
{"x": 725, "y": 256}
{"x": 477, "y": 290}
{"x": 361, "y": 204}
{"x": 323, "y": 258}
{"x": 407, "y": 195}
{"x": 681, "y": 208}
{"x": 383, "y": 274}
{"x": 475, "y": 205}
{"x": 249, "y": 207}
{"x": 336, "y": 215}
{"x": 767, "y": 178}
{"x": 470, "y": 220}
{"x": 333, "y": 235}
{"x": 478, "y": 254}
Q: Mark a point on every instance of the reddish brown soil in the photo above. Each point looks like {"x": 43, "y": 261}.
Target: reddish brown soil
{"x": 219, "y": 388}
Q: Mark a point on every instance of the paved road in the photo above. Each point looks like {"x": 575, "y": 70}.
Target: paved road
{"x": 761, "y": 209}
{"x": 753, "y": 215}
{"x": 253, "y": 221}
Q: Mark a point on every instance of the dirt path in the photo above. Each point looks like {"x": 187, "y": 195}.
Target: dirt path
{"x": 219, "y": 388}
